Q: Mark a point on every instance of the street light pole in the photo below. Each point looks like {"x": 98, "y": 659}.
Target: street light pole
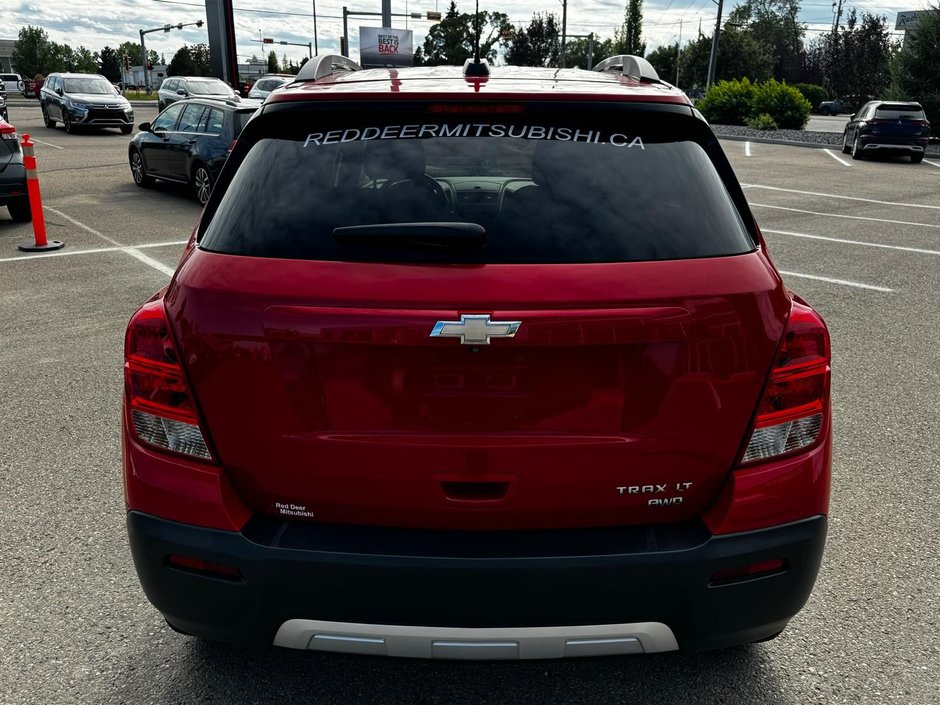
{"x": 713, "y": 59}
{"x": 143, "y": 62}
{"x": 315, "y": 50}
{"x": 564, "y": 27}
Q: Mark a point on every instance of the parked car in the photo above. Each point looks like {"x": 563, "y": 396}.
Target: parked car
{"x": 887, "y": 127}
{"x": 188, "y": 143}
{"x": 13, "y": 192}
{"x": 832, "y": 107}
{"x": 178, "y": 87}
{"x": 11, "y": 82}
{"x": 4, "y": 111}
{"x": 79, "y": 100}
{"x": 454, "y": 366}
{"x": 267, "y": 83}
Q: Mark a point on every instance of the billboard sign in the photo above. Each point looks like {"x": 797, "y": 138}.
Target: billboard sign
{"x": 384, "y": 47}
{"x": 908, "y": 20}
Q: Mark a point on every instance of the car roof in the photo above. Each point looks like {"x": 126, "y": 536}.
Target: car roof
{"x": 504, "y": 82}
{"x": 72, "y": 74}
{"x": 221, "y": 102}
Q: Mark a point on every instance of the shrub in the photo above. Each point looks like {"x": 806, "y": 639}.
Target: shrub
{"x": 785, "y": 104}
{"x": 813, "y": 93}
{"x": 728, "y": 102}
{"x": 762, "y": 122}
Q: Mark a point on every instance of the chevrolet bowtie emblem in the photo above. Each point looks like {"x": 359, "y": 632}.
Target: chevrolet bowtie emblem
{"x": 475, "y": 329}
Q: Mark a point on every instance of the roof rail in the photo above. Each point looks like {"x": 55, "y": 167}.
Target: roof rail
{"x": 629, "y": 65}
{"x": 326, "y": 65}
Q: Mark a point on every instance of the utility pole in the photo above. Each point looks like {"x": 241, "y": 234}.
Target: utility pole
{"x": 678, "y": 52}
{"x": 386, "y": 13}
{"x": 564, "y": 31}
{"x": 713, "y": 59}
{"x": 315, "y": 50}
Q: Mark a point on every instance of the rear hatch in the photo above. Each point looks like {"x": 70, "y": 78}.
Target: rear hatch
{"x": 9, "y": 146}
{"x": 585, "y": 347}
{"x": 899, "y": 121}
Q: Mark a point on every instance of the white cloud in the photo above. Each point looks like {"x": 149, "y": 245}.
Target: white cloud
{"x": 96, "y": 23}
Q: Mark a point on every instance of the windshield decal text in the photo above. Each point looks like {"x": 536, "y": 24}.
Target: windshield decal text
{"x": 499, "y": 130}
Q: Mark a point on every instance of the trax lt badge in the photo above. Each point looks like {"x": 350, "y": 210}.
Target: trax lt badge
{"x": 475, "y": 329}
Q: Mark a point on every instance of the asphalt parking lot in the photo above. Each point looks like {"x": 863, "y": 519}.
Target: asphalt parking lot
{"x": 859, "y": 240}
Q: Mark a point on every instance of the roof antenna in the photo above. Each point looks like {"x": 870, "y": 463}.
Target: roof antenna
{"x": 476, "y": 67}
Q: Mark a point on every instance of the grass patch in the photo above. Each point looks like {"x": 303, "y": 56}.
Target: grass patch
{"x": 141, "y": 95}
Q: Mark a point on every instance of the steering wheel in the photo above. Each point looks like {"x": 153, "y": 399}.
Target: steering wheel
{"x": 425, "y": 183}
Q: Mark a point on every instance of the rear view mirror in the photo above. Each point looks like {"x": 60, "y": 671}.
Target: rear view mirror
{"x": 180, "y": 91}
{"x": 144, "y": 127}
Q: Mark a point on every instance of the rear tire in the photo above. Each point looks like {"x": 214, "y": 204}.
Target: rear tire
{"x": 138, "y": 171}
{"x": 202, "y": 183}
{"x": 917, "y": 158}
{"x": 20, "y": 211}
{"x": 856, "y": 150}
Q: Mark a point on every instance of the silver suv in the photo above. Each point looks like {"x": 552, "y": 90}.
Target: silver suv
{"x": 176, "y": 88}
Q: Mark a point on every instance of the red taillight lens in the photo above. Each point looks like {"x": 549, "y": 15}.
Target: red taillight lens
{"x": 197, "y": 565}
{"x": 792, "y": 409}
{"x": 7, "y": 131}
{"x": 161, "y": 407}
{"x": 747, "y": 572}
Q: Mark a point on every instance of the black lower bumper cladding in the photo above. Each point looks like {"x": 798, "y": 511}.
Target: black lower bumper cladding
{"x": 369, "y": 575}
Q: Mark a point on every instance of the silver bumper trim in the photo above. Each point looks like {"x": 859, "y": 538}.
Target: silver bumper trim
{"x": 503, "y": 643}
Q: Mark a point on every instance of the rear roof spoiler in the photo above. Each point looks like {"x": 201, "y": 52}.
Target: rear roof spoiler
{"x": 326, "y": 65}
{"x": 629, "y": 65}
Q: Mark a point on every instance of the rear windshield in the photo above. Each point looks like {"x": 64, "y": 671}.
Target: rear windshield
{"x": 899, "y": 112}
{"x": 544, "y": 187}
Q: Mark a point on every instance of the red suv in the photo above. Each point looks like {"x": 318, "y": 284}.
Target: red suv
{"x": 477, "y": 364}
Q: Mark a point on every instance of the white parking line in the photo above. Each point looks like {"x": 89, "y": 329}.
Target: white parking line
{"x": 838, "y": 159}
{"x": 899, "y": 248}
{"x": 82, "y": 225}
{"x": 747, "y": 149}
{"x": 847, "y": 198}
{"x": 93, "y": 251}
{"x": 159, "y": 266}
{"x": 48, "y": 144}
{"x": 842, "y": 282}
{"x": 839, "y": 215}
{"x": 927, "y": 161}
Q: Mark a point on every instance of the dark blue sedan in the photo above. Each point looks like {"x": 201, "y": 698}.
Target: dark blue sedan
{"x": 188, "y": 143}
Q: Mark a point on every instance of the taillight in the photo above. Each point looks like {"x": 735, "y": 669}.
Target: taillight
{"x": 7, "y": 131}
{"x": 793, "y": 407}
{"x": 161, "y": 406}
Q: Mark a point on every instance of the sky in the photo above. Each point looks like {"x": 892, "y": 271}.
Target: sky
{"x": 97, "y": 23}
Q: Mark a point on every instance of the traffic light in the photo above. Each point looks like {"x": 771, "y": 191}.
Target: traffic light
{"x": 434, "y": 15}
{"x": 267, "y": 40}
{"x": 127, "y": 62}
{"x": 150, "y": 66}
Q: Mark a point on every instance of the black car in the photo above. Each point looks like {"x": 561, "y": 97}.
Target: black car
{"x": 177, "y": 88}
{"x": 84, "y": 100}
{"x": 13, "y": 193}
{"x": 188, "y": 142}
{"x": 881, "y": 127}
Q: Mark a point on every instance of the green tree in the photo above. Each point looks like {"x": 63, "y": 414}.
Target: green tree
{"x": 109, "y": 64}
{"x": 33, "y": 52}
{"x": 537, "y": 45}
{"x": 739, "y": 56}
{"x": 201, "y": 59}
{"x": 857, "y": 58}
{"x": 629, "y": 38}
{"x": 84, "y": 61}
{"x": 663, "y": 60}
{"x": 273, "y": 66}
{"x": 451, "y": 40}
{"x": 182, "y": 63}
{"x": 132, "y": 49}
{"x": 773, "y": 24}
{"x": 915, "y": 71}
{"x": 576, "y": 52}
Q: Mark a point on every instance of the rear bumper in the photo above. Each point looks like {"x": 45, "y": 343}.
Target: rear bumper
{"x": 909, "y": 145}
{"x": 400, "y": 592}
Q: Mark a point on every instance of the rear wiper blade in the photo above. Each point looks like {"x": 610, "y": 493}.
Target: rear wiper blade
{"x": 443, "y": 235}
